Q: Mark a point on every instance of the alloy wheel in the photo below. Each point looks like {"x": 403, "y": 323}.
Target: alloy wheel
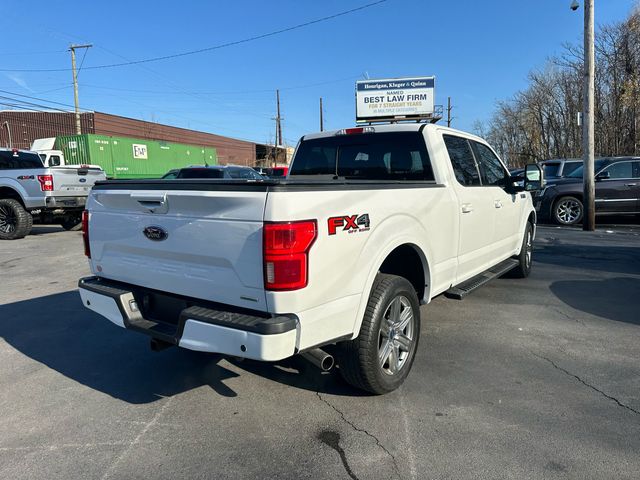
{"x": 8, "y": 219}
{"x": 396, "y": 336}
{"x": 568, "y": 211}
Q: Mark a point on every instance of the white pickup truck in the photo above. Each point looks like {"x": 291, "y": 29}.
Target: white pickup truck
{"x": 29, "y": 190}
{"x": 336, "y": 258}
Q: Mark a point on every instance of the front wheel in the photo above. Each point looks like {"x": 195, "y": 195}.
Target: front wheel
{"x": 568, "y": 210}
{"x": 523, "y": 269}
{"x": 380, "y": 358}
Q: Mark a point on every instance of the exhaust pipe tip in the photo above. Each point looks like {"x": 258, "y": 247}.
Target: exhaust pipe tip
{"x": 319, "y": 358}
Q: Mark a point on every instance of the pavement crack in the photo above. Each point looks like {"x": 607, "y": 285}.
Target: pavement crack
{"x": 138, "y": 439}
{"x": 569, "y": 317}
{"x": 362, "y": 430}
{"x": 592, "y": 387}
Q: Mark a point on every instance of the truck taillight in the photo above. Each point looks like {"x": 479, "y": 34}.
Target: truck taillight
{"x": 85, "y": 233}
{"x": 46, "y": 183}
{"x": 286, "y": 251}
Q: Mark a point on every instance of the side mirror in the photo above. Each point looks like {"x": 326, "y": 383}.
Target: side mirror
{"x": 606, "y": 175}
{"x": 533, "y": 177}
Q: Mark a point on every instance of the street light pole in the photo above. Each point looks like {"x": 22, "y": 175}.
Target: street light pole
{"x": 589, "y": 220}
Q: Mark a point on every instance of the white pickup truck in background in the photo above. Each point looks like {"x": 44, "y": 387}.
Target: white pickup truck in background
{"x": 45, "y": 147}
{"x": 335, "y": 259}
{"x": 29, "y": 191}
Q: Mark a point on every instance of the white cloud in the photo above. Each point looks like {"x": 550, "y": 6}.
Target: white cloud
{"x": 18, "y": 80}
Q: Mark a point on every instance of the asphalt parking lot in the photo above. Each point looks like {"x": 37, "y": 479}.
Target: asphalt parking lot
{"x": 536, "y": 378}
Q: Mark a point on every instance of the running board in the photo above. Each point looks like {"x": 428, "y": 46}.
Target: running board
{"x": 460, "y": 291}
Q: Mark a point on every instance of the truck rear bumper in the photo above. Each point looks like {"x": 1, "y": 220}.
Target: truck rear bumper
{"x": 205, "y": 328}
{"x": 65, "y": 202}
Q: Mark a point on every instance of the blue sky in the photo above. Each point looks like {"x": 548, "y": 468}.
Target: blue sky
{"x": 479, "y": 51}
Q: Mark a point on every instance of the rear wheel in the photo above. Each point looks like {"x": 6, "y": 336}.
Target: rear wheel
{"x": 380, "y": 358}
{"x": 15, "y": 221}
{"x": 568, "y": 210}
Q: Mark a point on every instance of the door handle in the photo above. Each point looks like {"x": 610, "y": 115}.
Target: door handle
{"x": 631, "y": 184}
{"x": 149, "y": 197}
{"x": 152, "y": 202}
{"x": 467, "y": 208}
{"x": 497, "y": 204}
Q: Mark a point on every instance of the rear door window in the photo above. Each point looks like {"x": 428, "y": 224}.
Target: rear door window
{"x": 19, "y": 160}
{"x": 464, "y": 165}
{"x": 620, "y": 170}
{"x": 366, "y": 156}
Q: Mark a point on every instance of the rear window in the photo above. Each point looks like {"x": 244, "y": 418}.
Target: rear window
{"x": 19, "y": 160}
{"x": 366, "y": 156}
{"x": 201, "y": 173}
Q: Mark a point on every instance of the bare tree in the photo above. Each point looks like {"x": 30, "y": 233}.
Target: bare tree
{"x": 541, "y": 121}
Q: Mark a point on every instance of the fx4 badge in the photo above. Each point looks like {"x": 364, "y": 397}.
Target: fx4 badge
{"x": 349, "y": 223}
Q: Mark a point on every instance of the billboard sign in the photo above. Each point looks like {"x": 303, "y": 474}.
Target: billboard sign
{"x": 394, "y": 98}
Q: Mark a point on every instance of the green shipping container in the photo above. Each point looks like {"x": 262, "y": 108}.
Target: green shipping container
{"x": 122, "y": 157}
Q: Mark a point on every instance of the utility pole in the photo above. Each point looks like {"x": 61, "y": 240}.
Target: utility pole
{"x": 449, "y": 112}
{"x": 321, "y": 117}
{"x": 589, "y": 220}
{"x": 72, "y": 49}
{"x": 278, "y": 119}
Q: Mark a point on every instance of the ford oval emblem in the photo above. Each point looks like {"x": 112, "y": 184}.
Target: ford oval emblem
{"x": 154, "y": 233}
{"x": 82, "y": 180}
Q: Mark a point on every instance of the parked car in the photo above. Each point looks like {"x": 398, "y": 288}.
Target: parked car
{"x": 560, "y": 167}
{"x": 617, "y": 192}
{"x": 370, "y": 223}
{"x": 214, "y": 171}
{"x": 272, "y": 172}
{"x": 29, "y": 191}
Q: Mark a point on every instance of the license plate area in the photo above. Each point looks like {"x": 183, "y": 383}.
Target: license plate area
{"x": 159, "y": 307}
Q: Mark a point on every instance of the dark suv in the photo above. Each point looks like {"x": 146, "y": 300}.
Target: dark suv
{"x": 617, "y": 192}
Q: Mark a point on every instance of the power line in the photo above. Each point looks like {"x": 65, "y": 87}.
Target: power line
{"x": 220, "y": 92}
{"x": 215, "y": 47}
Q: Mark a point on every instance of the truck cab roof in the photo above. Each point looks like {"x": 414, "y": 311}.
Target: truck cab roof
{"x": 390, "y": 127}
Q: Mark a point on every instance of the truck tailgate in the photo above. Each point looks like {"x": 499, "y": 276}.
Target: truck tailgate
{"x": 70, "y": 181}
{"x": 208, "y": 246}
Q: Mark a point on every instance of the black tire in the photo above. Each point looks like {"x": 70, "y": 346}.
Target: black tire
{"x": 15, "y": 221}
{"x": 71, "y": 222}
{"x": 567, "y": 210}
{"x": 525, "y": 257}
{"x": 359, "y": 359}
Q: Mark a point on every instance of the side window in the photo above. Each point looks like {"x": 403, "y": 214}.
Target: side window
{"x": 19, "y": 160}
{"x": 570, "y": 167}
{"x": 491, "y": 170}
{"x": 636, "y": 170}
{"x": 54, "y": 161}
{"x": 462, "y": 160}
{"x": 620, "y": 170}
